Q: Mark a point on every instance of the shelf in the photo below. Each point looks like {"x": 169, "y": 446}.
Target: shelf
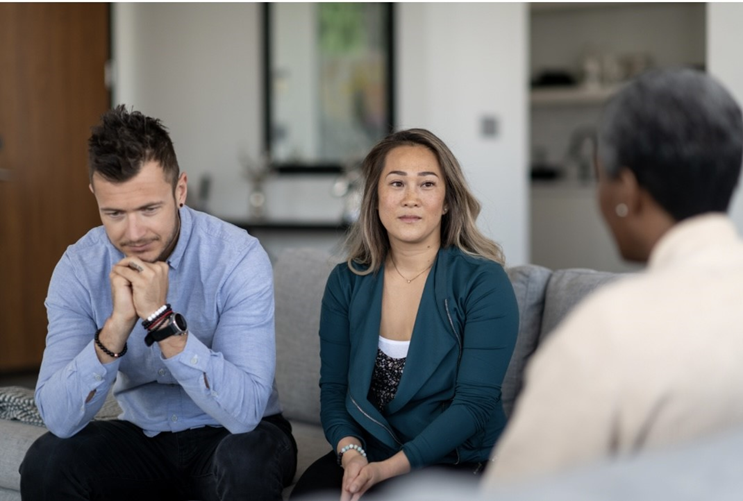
{"x": 290, "y": 226}
{"x": 571, "y": 96}
{"x": 296, "y": 169}
{"x": 559, "y": 7}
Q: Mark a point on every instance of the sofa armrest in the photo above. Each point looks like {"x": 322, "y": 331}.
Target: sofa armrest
{"x": 529, "y": 283}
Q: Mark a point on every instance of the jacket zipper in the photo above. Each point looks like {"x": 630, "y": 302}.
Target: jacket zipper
{"x": 459, "y": 341}
{"x": 392, "y": 434}
{"x": 459, "y": 358}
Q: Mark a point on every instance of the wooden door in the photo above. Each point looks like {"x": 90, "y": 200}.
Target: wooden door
{"x": 52, "y": 90}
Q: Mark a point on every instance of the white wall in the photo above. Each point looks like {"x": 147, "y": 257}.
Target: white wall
{"x": 456, "y": 64}
{"x": 195, "y": 66}
{"x": 724, "y": 40}
{"x": 198, "y": 68}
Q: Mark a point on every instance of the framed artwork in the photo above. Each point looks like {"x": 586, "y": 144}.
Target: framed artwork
{"x": 328, "y": 86}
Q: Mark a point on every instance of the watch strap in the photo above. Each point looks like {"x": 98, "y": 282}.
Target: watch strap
{"x": 170, "y": 329}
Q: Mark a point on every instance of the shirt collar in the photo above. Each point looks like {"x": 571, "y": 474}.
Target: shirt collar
{"x": 691, "y": 236}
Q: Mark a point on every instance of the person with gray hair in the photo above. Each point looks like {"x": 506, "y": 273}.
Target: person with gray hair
{"x": 653, "y": 358}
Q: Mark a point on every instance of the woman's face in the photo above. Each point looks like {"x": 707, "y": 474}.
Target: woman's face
{"x": 411, "y": 194}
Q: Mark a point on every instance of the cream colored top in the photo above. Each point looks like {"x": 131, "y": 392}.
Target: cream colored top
{"x": 649, "y": 360}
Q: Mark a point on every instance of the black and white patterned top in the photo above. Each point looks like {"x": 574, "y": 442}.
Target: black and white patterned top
{"x": 385, "y": 379}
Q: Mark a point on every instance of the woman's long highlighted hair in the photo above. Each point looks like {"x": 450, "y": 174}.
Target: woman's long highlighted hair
{"x": 368, "y": 243}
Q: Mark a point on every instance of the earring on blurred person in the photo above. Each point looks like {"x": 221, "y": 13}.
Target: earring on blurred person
{"x": 622, "y": 210}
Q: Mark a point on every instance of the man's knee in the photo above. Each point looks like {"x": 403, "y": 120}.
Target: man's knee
{"x": 65, "y": 461}
{"x": 46, "y": 450}
{"x": 249, "y": 450}
{"x": 45, "y": 462}
{"x": 263, "y": 457}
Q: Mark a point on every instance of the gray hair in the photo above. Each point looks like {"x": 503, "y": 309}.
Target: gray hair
{"x": 681, "y": 133}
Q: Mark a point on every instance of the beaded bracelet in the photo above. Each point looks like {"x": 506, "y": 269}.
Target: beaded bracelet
{"x": 156, "y": 317}
{"x": 157, "y": 312}
{"x": 347, "y": 448}
{"x": 106, "y": 350}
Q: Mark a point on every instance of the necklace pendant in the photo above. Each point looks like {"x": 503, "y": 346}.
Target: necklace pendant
{"x": 409, "y": 281}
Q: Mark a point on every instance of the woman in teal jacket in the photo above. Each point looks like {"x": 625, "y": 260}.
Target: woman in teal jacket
{"x": 417, "y": 327}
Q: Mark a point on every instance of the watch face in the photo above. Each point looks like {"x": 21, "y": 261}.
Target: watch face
{"x": 180, "y": 322}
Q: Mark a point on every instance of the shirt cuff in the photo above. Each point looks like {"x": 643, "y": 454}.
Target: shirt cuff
{"x": 91, "y": 371}
{"x": 192, "y": 362}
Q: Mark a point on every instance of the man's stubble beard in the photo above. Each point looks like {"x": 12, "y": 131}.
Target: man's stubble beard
{"x": 172, "y": 240}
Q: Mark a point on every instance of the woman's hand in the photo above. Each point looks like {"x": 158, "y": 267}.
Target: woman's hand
{"x": 363, "y": 479}
{"x": 352, "y": 468}
{"x": 360, "y": 475}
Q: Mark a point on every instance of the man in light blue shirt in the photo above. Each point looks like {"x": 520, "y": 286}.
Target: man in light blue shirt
{"x": 174, "y": 309}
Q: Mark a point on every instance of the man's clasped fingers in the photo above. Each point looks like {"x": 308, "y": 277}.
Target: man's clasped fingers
{"x": 149, "y": 286}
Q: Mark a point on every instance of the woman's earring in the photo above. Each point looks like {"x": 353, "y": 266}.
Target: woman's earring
{"x": 622, "y": 210}
{"x": 446, "y": 209}
{"x": 181, "y": 204}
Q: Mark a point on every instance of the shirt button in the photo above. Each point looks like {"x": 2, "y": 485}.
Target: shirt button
{"x": 97, "y": 377}
{"x": 162, "y": 372}
{"x": 195, "y": 359}
{"x": 174, "y": 418}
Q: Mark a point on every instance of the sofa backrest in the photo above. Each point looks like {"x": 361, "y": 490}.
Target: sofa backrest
{"x": 544, "y": 297}
{"x": 299, "y": 283}
{"x": 565, "y": 289}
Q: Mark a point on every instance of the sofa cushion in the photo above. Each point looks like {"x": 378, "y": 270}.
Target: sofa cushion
{"x": 15, "y": 439}
{"x": 299, "y": 283}
{"x": 529, "y": 283}
{"x": 566, "y": 288}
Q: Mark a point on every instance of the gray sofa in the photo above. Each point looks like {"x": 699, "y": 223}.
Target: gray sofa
{"x": 544, "y": 297}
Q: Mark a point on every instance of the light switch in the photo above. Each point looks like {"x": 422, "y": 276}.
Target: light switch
{"x": 489, "y": 126}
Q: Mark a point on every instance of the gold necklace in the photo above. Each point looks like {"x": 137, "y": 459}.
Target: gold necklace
{"x": 403, "y": 276}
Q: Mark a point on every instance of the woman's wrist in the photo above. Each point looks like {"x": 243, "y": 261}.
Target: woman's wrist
{"x": 351, "y": 456}
{"x": 394, "y": 466}
{"x": 349, "y": 451}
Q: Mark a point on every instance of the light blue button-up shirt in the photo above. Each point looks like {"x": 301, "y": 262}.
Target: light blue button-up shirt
{"x": 221, "y": 280}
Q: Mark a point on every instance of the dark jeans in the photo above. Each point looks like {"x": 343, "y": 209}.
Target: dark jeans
{"x": 114, "y": 460}
{"x": 325, "y": 476}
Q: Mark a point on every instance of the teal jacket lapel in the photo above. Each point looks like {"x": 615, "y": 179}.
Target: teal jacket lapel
{"x": 365, "y": 321}
{"x": 437, "y": 328}
{"x": 433, "y": 337}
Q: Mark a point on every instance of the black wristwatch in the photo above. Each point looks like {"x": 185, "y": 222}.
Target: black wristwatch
{"x": 176, "y": 326}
